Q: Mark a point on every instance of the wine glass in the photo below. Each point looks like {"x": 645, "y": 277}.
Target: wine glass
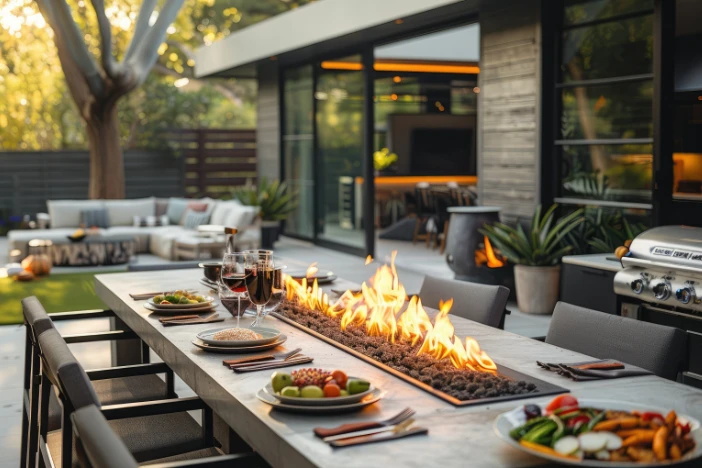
{"x": 278, "y": 291}
{"x": 232, "y": 279}
{"x": 259, "y": 279}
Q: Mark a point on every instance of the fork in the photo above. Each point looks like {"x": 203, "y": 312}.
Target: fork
{"x": 263, "y": 357}
{"x": 353, "y": 427}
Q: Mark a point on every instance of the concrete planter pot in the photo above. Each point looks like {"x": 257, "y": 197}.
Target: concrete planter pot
{"x": 537, "y": 288}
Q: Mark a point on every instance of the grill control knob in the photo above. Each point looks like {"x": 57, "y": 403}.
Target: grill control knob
{"x": 637, "y": 286}
{"x": 661, "y": 291}
{"x": 684, "y": 295}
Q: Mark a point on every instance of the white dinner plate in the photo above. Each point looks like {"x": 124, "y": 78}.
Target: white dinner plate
{"x": 321, "y": 277}
{"x": 336, "y": 401}
{"x": 208, "y": 301}
{"x": 204, "y": 307}
{"x": 371, "y": 398}
{"x": 239, "y": 349}
{"x": 516, "y": 417}
{"x": 269, "y": 335}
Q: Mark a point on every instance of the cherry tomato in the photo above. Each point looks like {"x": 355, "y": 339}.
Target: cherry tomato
{"x": 332, "y": 390}
{"x": 562, "y": 401}
{"x": 651, "y": 415}
{"x": 578, "y": 421}
{"x": 685, "y": 428}
{"x": 340, "y": 377}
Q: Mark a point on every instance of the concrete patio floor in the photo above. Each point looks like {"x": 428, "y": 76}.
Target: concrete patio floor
{"x": 413, "y": 263}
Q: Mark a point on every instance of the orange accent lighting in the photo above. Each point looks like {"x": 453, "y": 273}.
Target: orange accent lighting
{"x": 408, "y": 67}
{"x": 404, "y": 180}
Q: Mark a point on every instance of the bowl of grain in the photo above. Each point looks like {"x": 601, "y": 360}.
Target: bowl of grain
{"x": 239, "y": 336}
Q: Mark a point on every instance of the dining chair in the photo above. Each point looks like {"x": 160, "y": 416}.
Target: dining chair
{"x": 653, "y": 347}
{"x": 425, "y": 210}
{"x": 150, "y": 429}
{"x": 113, "y": 386}
{"x": 98, "y": 446}
{"x": 480, "y": 303}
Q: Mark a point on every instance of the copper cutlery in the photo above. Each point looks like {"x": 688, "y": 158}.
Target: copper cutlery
{"x": 275, "y": 365}
{"x": 396, "y": 432}
{"x": 180, "y": 317}
{"x": 349, "y": 435}
{"x": 209, "y": 319}
{"x": 262, "y": 357}
{"x": 354, "y": 427}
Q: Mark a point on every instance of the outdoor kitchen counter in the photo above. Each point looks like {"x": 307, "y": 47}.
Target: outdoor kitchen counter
{"x": 457, "y": 436}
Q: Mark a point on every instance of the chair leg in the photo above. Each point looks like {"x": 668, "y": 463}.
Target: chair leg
{"x": 417, "y": 225}
{"x": 66, "y": 438}
{"x": 26, "y": 397}
{"x": 45, "y": 390}
{"x": 443, "y": 240}
{"x": 34, "y": 412}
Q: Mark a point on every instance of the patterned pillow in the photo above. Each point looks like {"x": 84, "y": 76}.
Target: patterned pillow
{"x": 142, "y": 221}
{"x": 94, "y": 218}
{"x": 193, "y": 219}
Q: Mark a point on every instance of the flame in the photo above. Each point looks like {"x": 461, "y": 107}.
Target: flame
{"x": 311, "y": 270}
{"x": 488, "y": 256}
{"x": 369, "y": 260}
{"x": 375, "y": 309}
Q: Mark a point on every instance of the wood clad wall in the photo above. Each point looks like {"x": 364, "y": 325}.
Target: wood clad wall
{"x": 268, "y": 122}
{"x": 508, "y": 124}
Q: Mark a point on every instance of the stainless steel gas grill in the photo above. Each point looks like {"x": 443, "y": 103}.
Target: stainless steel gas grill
{"x": 662, "y": 283}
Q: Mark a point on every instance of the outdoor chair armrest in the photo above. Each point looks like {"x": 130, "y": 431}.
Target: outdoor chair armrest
{"x": 238, "y": 460}
{"x": 152, "y": 408}
{"x": 128, "y": 371}
{"x": 100, "y": 336}
{"x": 81, "y": 314}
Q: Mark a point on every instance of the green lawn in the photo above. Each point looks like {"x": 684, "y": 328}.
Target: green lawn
{"x": 57, "y": 293}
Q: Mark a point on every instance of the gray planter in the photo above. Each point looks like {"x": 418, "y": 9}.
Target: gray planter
{"x": 537, "y": 288}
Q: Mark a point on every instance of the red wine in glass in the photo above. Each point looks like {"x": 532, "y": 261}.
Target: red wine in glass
{"x": 235, "y": 282}
{"x": 259, "y": 284}
{"x": 231, "y": 304}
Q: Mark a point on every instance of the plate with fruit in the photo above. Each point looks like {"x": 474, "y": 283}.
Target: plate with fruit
{"x": 318, "y": 387}
{"x": 179, "y": 300}
{"x": 601, "y": 433}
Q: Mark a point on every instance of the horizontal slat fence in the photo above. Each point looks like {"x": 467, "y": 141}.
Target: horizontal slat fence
{"x": 216, "y": 159}
{"x": 29, "y": 178}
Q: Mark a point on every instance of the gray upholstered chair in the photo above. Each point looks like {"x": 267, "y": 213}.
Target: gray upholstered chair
{"x": 150, "y": 430}
{"x": 478, "y": 302}
{"x": 135, "y": 383}
{"x": 97, "y": 446}
{"x": 657, "y": 348}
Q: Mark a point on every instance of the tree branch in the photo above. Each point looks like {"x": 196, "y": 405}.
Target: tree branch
{"x": 146, "y": 52}
{"x": 73, "y": 39}
{"x": 109, "y": 64}
{"x": 142, "y": 26}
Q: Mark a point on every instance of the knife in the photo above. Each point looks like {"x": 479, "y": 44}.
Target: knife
{"x": 377, "y": 430}
{"x": 371, "y": 439}
{"x": 266, "y": 366}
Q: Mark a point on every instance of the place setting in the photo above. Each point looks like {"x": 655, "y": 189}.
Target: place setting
{"x": 318, "y": 391}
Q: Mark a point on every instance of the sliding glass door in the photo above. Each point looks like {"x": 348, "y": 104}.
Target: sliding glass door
{"x": 298, "y": 147}
{"x": 339, "y": 98}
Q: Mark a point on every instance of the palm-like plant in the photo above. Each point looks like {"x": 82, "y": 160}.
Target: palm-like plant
{"x": 602, "y": 232}
{"x": 541, "y": 246}
{"x": 274, "y": 199}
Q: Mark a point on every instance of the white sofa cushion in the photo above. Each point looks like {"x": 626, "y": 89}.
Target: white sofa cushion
{"x": 241, "y": 216}
{"x": 161, "y": 241}
{"x": 66, "y": 213}
{"x": 122, "y": 212}
{"x": 221, "y": 211}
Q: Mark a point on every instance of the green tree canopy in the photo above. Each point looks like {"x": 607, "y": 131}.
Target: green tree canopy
{"x": 36, "y": 111}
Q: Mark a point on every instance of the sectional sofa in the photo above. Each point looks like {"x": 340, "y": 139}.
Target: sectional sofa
{"x": 156, "y": 223}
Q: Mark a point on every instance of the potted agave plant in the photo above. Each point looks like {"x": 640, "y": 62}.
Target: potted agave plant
{"x": 275, "y": 203}
{"x": 536, "y": 254}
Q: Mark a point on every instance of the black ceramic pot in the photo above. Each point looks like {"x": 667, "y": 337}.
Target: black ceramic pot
{"x": 269, "y": 234}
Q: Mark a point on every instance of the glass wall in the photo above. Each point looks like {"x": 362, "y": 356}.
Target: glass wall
{"x": 604, "y": 96}
{"x": 298, "y": 147}
{"x": 339, "y": 101}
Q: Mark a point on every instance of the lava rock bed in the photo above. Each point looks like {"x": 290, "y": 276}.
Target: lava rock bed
{"x": 463, "y": 384}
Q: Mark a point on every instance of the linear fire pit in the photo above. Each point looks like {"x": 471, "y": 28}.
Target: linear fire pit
{"x": 459, "y": 387}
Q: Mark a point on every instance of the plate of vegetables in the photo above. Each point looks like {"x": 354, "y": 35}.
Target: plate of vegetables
{"x": 601, "y": 433}
{"x": 179, "y": 300}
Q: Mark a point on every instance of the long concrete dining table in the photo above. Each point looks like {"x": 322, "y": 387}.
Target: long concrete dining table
{"x": 458, "y": 436}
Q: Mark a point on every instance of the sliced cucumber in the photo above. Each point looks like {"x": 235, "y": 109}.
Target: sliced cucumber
{"x": 592, "y": 441}
{"x": 567, "y": 445}
{"x": 614, "y": 442}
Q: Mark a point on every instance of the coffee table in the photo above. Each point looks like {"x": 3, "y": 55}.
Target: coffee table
{"x": 91, "y": 251}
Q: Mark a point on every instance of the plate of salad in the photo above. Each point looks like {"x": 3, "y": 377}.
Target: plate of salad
{"x": 601, "y": 433}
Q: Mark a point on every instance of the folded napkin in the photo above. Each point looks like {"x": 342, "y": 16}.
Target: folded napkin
{"x": 594, "y": 370}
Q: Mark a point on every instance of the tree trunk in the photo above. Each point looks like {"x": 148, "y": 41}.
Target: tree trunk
{"x": 106, "y": 159}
